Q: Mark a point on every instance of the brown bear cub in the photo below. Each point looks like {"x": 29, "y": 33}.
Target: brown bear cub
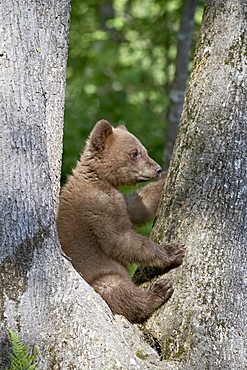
{"x": 95, "y": 221}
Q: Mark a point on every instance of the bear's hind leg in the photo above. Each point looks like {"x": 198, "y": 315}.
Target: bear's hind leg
{"x": 125, "y": 298}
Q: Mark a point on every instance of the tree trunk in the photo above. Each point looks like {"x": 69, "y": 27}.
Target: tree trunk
{"x": 178, "y": 87}
{"x": 42, "y": 298}
{"x": 204, "y": 324}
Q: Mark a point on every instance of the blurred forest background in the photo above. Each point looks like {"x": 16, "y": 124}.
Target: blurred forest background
{"x": 121, "y": 67}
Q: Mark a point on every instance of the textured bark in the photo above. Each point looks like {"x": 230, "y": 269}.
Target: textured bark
{"x": 178, "y": 87}
{"x": 34, "y": 40}
{"x": 203, "y": 325}
{"x": 42, "y": 298}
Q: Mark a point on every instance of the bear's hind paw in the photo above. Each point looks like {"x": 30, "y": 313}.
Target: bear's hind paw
{"x": 162, "y": 289}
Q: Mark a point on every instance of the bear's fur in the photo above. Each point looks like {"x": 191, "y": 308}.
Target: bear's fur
{"x": 95, "y": 221}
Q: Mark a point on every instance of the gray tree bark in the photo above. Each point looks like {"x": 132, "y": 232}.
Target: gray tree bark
{"x": 42, "y": 298}
{"x": 203, "y": 325}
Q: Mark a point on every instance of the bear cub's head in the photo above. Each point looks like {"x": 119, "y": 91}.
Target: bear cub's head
{"x": 118, "y": 157}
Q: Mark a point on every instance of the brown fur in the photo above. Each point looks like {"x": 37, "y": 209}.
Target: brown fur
{"x": 95, "y": 221}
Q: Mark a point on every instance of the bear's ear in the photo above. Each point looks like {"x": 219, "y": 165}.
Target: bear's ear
{"x": 123, "y": 127}
{"x": 100, "y": 132}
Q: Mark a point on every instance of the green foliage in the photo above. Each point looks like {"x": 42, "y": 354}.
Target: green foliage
{"x": 20, "y": 359}
{"x": 141, "y": 355}
{"x": 132, "y": 267}
{"x": 120, "y": 67}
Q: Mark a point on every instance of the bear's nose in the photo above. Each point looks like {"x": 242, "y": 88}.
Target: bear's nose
{"x": 158, "y": 170}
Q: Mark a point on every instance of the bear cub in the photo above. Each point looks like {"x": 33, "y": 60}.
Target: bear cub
{"x": 95, "y": 221}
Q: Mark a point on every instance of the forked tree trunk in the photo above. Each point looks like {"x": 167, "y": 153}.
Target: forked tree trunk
{"x": 204, "y": 324}
{"x": 42, "y": 298}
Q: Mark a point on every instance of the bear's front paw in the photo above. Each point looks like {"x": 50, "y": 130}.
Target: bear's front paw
{"x": 175, "y": 253}
{"x": 161, "y": 289}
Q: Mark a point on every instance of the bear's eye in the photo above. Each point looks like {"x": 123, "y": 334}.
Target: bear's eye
{"x": 134, "y": 154}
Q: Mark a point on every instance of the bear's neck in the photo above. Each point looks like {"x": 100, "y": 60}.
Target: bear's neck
{"x": 88, "y": 170}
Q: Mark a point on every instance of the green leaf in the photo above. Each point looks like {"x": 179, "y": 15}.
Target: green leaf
{"x": 20, "y": 359}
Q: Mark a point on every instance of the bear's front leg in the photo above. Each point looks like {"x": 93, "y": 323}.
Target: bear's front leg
{"x": 142, "y": 205}
{"x": 128, "y": 246}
